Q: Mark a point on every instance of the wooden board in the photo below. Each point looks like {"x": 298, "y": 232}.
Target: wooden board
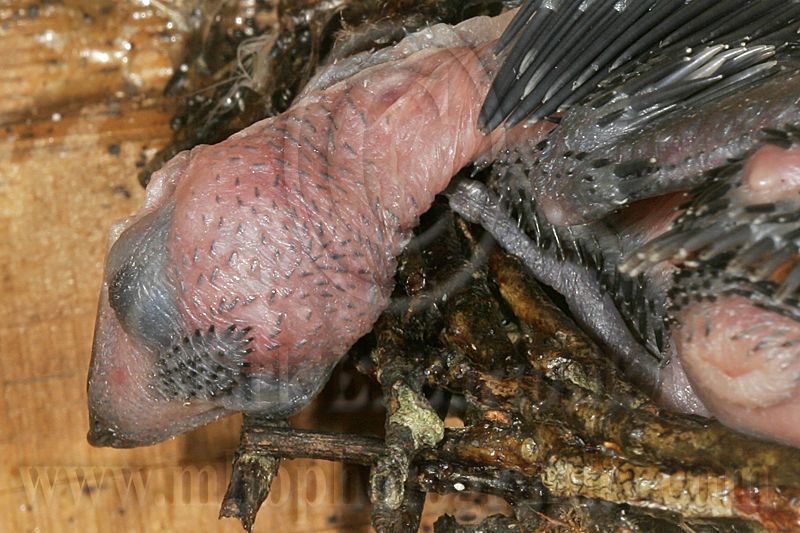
{"x": 80, "y": 110}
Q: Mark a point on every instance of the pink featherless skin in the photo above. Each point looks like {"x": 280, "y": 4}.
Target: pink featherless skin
{"x": 256, "y": 263}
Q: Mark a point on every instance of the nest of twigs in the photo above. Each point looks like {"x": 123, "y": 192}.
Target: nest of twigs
{"x": 545, "y": 420}
{"x": 548, "y": 423}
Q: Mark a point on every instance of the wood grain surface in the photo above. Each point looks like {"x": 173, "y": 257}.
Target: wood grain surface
{"x": 81, "y": 109}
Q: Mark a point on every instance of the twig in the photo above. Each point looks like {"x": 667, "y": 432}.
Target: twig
{"x": 251, "y": 478}
{"x": 290, "y": 443}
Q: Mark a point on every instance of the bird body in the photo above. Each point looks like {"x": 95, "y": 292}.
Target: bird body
{"x": 662, "y": 205}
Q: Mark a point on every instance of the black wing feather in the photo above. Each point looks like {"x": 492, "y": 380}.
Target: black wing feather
{"x": 559, "y": 51}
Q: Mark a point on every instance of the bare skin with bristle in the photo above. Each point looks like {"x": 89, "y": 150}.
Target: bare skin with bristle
{"x": 256, "y": 263}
